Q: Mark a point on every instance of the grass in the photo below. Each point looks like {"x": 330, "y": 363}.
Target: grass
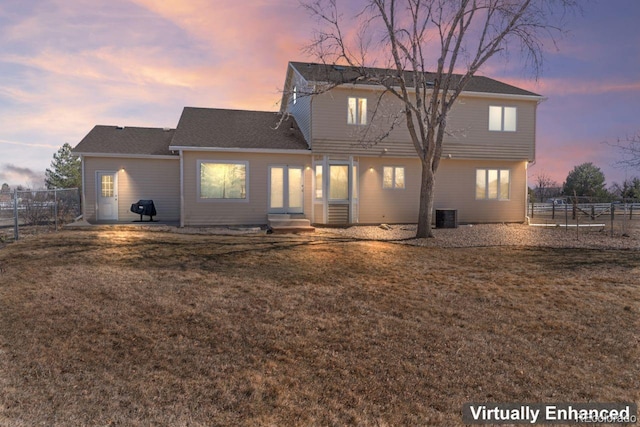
{"x": 125, "y": 327}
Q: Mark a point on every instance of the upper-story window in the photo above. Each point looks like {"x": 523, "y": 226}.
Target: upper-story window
{"x": 502, "y": 118}
{"x": 357, "y": 111}
{"x": 294, "y": 96}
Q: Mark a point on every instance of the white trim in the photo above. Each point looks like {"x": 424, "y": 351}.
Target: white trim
{"x": 376, "y": 87}
{"x": 353, "y": 181}
{"x": 538, "y": 98}
{"x": 129, "y": 156}
{"x": 241, "y": 150}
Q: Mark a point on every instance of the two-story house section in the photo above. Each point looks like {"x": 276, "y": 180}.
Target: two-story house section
{"x": 338, "y": 156}
{"x": 361, "y": 177}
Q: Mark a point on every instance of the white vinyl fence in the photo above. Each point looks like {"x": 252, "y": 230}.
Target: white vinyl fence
{"x": 616, "y": 216}
{"x": 38, "y": 210}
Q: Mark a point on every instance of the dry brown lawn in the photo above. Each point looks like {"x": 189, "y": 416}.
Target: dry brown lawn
{"x": 125, "y": 327}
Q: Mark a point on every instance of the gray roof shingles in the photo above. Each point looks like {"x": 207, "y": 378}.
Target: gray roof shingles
{"x": 221, "y": 128}
{"x": 127, "y": 140}
{"x": 313, "y": 72}
{"x": 198, "y": 128}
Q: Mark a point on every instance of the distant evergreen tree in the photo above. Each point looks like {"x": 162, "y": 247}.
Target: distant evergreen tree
{"x": 586, "y": 180}
{"x": 65, "y": 170}
{"x": 629, "y": 189}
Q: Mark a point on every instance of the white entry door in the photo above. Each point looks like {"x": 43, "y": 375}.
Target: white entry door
{"x": 107, "y": 183}
{"x": 286, "y": 185}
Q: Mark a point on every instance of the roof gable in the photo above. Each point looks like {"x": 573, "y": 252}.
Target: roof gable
{"x": 322, "y": 73}
{"x": 221, "y": 128}
{"x": 126, "y": 141}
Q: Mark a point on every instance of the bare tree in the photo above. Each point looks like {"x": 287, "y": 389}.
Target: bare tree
{"x": 452, "y": 38}
{"x": 545, "y": 185}
{"x": 630, "y": 151}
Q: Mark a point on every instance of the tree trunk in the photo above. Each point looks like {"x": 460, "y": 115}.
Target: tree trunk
{"x": 426, "y": 201}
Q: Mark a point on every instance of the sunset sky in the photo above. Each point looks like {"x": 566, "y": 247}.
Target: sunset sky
{"x": 67, "y": 65}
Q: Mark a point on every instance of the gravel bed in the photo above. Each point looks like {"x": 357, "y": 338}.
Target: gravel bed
{"x": 482, "y": 235}
{"x": 479, "y": 235}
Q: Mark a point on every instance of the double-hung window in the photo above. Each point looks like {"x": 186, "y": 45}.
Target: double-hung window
{"x": 502, "y": 119}
{"x": 223, "y": 180}
{"x": 492, "y": 184}
{"x": 357, "y": 111}
{"x": 393, "y": 177}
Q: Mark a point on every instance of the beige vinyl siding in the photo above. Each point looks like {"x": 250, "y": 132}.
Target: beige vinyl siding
{"x": 470, "y": 137}
{"x": 468, "y": 125}
{"x": 455, "y": 189}
{"x": 301, "y": 110}
{"x": 378, "y": 205}
{"x": 155, "y": 179}
{"x": 254, "y": 209}
{"x": 318, "y": 213}
{"x": 332, "y": 134}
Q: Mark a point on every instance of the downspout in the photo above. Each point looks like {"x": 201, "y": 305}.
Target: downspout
{"x": 526, "y": 192}
{"x": 310, "y": 143}
{"x": 350, "y": 190}
{"x": 532, "y": 162}
{"x": 181, "y": 154}
{"x": 83, "y": 201}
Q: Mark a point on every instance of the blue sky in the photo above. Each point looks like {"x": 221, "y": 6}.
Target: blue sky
{"x": 67, "y": 65}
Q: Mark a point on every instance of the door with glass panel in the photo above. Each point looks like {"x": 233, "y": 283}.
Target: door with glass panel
{"x": 107, "y": 197}
{"x": 286, "y": 186}
{"x": 339, "y": 209}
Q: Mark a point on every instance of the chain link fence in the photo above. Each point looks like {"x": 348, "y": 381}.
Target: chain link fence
{"x": 38, "y": 211}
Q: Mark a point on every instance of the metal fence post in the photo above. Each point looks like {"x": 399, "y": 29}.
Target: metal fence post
{"x": 532, "y": 207}
{"x": 613, "y": 213}
{"x": 55, "y": 206}
{"x": 16, "y": 234}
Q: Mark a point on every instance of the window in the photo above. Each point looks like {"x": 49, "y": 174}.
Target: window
{"x": 393, "y": 177}
{"x": 106, "y": 185}
{"x": 492, "y": 184}
{"x": 502, "y": 118}
{"x": 295, "y": 95}
{"x": 318, "y": 181}
{"x": 223, "y": 180}
{"x": 339, "y": 182}
{"x": 357, "y": 111}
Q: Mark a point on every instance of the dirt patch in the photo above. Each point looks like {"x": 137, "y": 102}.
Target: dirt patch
{"x": 136, "y": 327}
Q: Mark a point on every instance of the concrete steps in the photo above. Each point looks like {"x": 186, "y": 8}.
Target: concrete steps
{"x": 284, "y": 224}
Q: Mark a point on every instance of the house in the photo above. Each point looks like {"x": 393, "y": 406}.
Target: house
{"x": 320, "y": 158}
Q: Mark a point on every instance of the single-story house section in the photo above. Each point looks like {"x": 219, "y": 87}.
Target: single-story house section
{"x": 121, "y": 165}
{"x": 219, "y": 167}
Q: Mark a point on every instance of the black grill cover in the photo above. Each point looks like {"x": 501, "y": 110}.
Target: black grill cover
{"x": 144, "y": 207}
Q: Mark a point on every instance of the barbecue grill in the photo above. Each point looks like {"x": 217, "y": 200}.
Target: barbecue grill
{"x": 144, "y": 207}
